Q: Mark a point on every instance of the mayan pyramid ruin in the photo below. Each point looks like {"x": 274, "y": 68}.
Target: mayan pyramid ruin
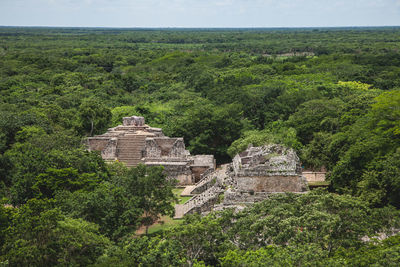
{"x": 135, "y": 143}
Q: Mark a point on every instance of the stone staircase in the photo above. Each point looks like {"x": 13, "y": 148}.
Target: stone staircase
{"x": 206, "y": 181}
{"x": 129, "y": 149}
{"x": 206, "y": 191}
{"x": 199, "y": 203}
{"x": 187, "y": 192}
{"x": 209, "y": 178}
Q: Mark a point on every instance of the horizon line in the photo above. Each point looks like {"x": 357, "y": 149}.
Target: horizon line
{"x": 183, "y": 27}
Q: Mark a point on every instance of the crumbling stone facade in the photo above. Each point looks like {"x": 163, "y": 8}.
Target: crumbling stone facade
{"x": 261, "y": 171}
{"x": 136, "y": 143}
{"x": 252, "y": 176}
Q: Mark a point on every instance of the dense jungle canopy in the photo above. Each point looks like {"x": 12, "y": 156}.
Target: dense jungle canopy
{"x": 332, "y": 94}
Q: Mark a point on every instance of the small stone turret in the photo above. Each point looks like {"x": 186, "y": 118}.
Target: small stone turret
{"x": 133, "y": 121}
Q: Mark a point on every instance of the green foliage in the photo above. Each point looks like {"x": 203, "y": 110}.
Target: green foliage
{"x": 274, "y": 133}
{"x": 154, "y": 191}
{"x": 94, "y": 117}
{"x": 385, "y": 114}
{"x": 328, "y": 220}
{"x": 380, "y": 183}
{"x": 134, "y": 197}
{"x": 53, "y": 180}
{"x": 372, "y": 137}
{"x": 332, "y": 94}
{"x": 108, "y": 206}
{"x": 5, "y": 220}
{"x": 303, "y": 255}
{"x": 385, "y": 253}
{"x": 144, "y": 251}
{"x": 200, "y": 239}
{"x": 39, "y": 235}
{"x": 315, "y": 116}
{"x": 315, "y": 155}
{"x": 119, "y": 112}
{"x": 33, "y": 165}
{"x": 208, "y": 128}
{"x": 314, "y": 229}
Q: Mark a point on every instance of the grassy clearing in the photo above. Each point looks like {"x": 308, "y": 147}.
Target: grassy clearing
{"x": 166, "y": 222}
{"x": 183, "y": 200}
{"x": 177, "y": 192}
{"x": 318, "y": 184}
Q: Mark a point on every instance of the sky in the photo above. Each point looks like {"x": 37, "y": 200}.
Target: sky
{"x": 200, "y": 13}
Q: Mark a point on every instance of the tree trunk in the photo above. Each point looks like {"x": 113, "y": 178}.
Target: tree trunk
{"x": 91, "y": 128}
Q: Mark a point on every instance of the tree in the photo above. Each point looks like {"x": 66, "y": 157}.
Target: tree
{"x": 53, "y": 180}
{"x": 315, "y": 154}
{"x": 328, "y": 220}
{"x": 154, "y": 190}
{"x": 201, "y": 239}
{"x": 208, "y": 129}
{"x": 315, "y": 116}
{"x": 371, "y": 137}
{"x": 94, "y": 117}
{"x": 385, "y": 114}
{"x": 275, "y": 132}
{"x": 124, "y": 111}
{"x": 39, "y": 235}
{"x": 5, "y": 220}
{"x": 380, "y": 183}
{"x": 110, "y": 206}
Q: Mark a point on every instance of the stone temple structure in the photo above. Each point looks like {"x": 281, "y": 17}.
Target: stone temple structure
{"x": 136, "y": 143}
{"x": 252, "y": 176}
{"x": 260, "y": 171}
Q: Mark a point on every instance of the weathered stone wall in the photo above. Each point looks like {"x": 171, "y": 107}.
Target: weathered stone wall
{"x": 197, "y": 172}
{"x": 110, "y": 150}
{"x": 204, "y": 201}
{"x": 152, "y": 149}
{"x": 232, "y": 198}
{"x": 178, "y": 149}
{"x": 176, "y": 170}
{"x": 259, "y": 172}
{"x": 161, "y": 147}
{"x": 314, "y": 176}
{"x": 165, "y": 145}
{"x": 266, "y": 160}
{"x": 97, "y": 143}
{"x": 133, "y": 121}
{"x": 206, "y": 206}
{"x": 204, "y": 160}
{"x": 276, "y": 183}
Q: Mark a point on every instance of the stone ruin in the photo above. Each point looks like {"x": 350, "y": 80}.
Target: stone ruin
{"x": 260, "y": 171}
{"x": 135, "y": 143}
{"x": 252, "y": 176}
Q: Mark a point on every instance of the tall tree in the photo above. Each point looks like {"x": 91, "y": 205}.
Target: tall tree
{"x": 94, "y": 117}
{"x": 154, "y": 190}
